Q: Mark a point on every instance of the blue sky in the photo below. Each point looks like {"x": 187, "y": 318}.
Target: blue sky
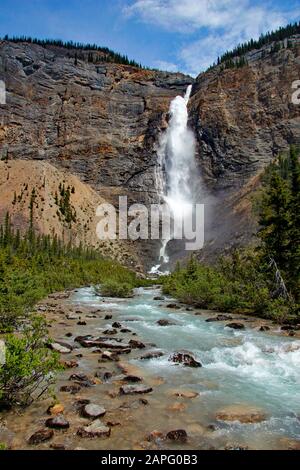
{"x": 184, "y": 35}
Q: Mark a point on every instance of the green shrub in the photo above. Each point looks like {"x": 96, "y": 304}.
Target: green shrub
{"x": 116, "y": 289}
{"x": 30, "y": 366}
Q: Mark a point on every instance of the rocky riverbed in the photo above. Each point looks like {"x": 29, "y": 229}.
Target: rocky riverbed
{"x": 150, "y": 373}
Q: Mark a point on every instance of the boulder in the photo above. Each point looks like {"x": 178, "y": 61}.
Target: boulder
{"x": 136, "y": 344}
{"x": 69, "y": 364}
{"x": 73, "y": 389}
{"x": 264, "y": 328}
{"x": 40, "y": 436}
{"x": 110, "y": 332}
{"x": 179, "y": 435}
{"x": 185, "y": 358}
{"x": 93, "y": 411}
{"x": 152, "y": 355}
{"x": 58, "y": 422}
{"x": 135, "y": 389}
{"x": 165, "y": 322}
{"x": 60, "y": 348}
{"x": 236, "y": 326}
{"x": 160, "y": 298}
{"x": 83, "y": 380}
{"x": 55, "y": 409}
{"x": 219, "y": 318}
{"x": 108, "y": 317}
{"x": 132, "y": 379}
{"x": 174, "y": 306}
{"x": 96, "y": 429}
{"x": 116, "y": 324}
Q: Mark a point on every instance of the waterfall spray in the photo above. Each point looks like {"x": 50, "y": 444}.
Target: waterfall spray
{"x": 176, "y": 165}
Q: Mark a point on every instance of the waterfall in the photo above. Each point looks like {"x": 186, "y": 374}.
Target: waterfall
{"x": 175, "y": 176}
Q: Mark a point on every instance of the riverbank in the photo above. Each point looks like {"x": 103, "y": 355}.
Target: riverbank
{"x": 117, "y": 355}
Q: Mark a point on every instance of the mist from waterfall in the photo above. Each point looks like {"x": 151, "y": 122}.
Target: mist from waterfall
{"x": 176, "y": 166}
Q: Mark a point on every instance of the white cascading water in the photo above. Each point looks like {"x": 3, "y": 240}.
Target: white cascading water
{"x": 176, "y": 169}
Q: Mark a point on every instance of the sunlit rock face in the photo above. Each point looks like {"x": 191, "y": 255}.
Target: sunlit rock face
{"x": 242, "y": 118}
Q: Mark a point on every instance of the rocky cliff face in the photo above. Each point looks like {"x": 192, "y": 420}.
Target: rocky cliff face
{"x": 243, "y": 118}
{"x": 99, "y": 121}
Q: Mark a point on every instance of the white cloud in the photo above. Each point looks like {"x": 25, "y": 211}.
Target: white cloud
{"x": 166, "y": 66}
{"x": 221, "y": 25}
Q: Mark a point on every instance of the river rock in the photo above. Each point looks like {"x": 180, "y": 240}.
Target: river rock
{"x": 264, "y": 328}
{"x": 108, "y": 317}
{"x": 55, "y": 409}
{"x": 93, "y": 411}
{"x": 132, "y": 378}
{"x": 184, "y": 358}
{"x": 135, "y": 389}
{"x": 82, "y": 323}
{"x": 111, "y": 332}
{"x": 136, "y": 344}
{"x": 69, "y": 364}
{"x": 109, "y": 356}
{"x": 58, "y": 422}
{"x": 116, "y": 324}
{"x": 219, "y": 318}
{"x": 40, "y": 436}
{"x": 155, "y": 436}
{"x": 152, "y": 355}
{"x": 165, "y": 322}
{"x": 72, "y": 316}
{"x": 84, "y": 380}
{"x": 125, "y": 330}
{"x": 62, "y": 349}
{"x": 73, "y": 389}
{"x": 236, "y": 326}
{"x": 179, "y": 435}
{"x": 160, "y": 298}
{"x": 174, "y": 306}
{"x": 104, "y": 375}
{"x": 96, "y": 429}
{"x": 242, "y": 413}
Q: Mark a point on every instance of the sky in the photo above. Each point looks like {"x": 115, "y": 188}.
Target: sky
{"x": 174, "y": 35}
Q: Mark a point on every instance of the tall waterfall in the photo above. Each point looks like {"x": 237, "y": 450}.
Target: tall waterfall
{"x": 176, "y": 165}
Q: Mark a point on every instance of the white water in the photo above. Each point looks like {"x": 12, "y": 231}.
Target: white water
{"x": 176, "y": 170}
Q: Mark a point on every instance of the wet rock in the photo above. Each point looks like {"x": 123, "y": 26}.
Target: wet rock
{"x": 104, "y": 375}
{"x": 96, "y": 429}
{"x": 264, "y": 328}
{"x": 84, "y": 380}
{"x": 236, "y": 326}
{"x": 73, "y": 389}
{"x": 112, "y": 424}
{"x": 93, "y": 411}
{"x": 135, "y": 389}
{"x": 241, "y": 413}
{"x": 109, "y": 356}
{"x": 136, "y": 344}
{"x": 40, "y": 436}
{"x": 155, "y": 436}
{"x": 132, "y": 379}
{"x": 125, "y": 330}
{"x": 58, "y": 422}
{"x": 219, "y": 318}
{"x": 82, "y": 323}
{"x": 79, "y": 404}
{"x": 165, "y": 322}
{"x": 184, "y": 358}
{"x": 55, "y": 409}
{"x": 152, "y": 355}
{"x": 160, "y": 298}
{"x": 143, "y": 401}
{"x": 116, "y": 325}
{"x": 61, "y": 348}
{"x": 108, "y": 317}
{"x": 86, "y": 341}
{"x": 179, "y": 435}
{"x": 69, "y": 335}
{"x": 111, "y": 332}
{"x": 73, "y": 316}
{"x": 174, "y": 306}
